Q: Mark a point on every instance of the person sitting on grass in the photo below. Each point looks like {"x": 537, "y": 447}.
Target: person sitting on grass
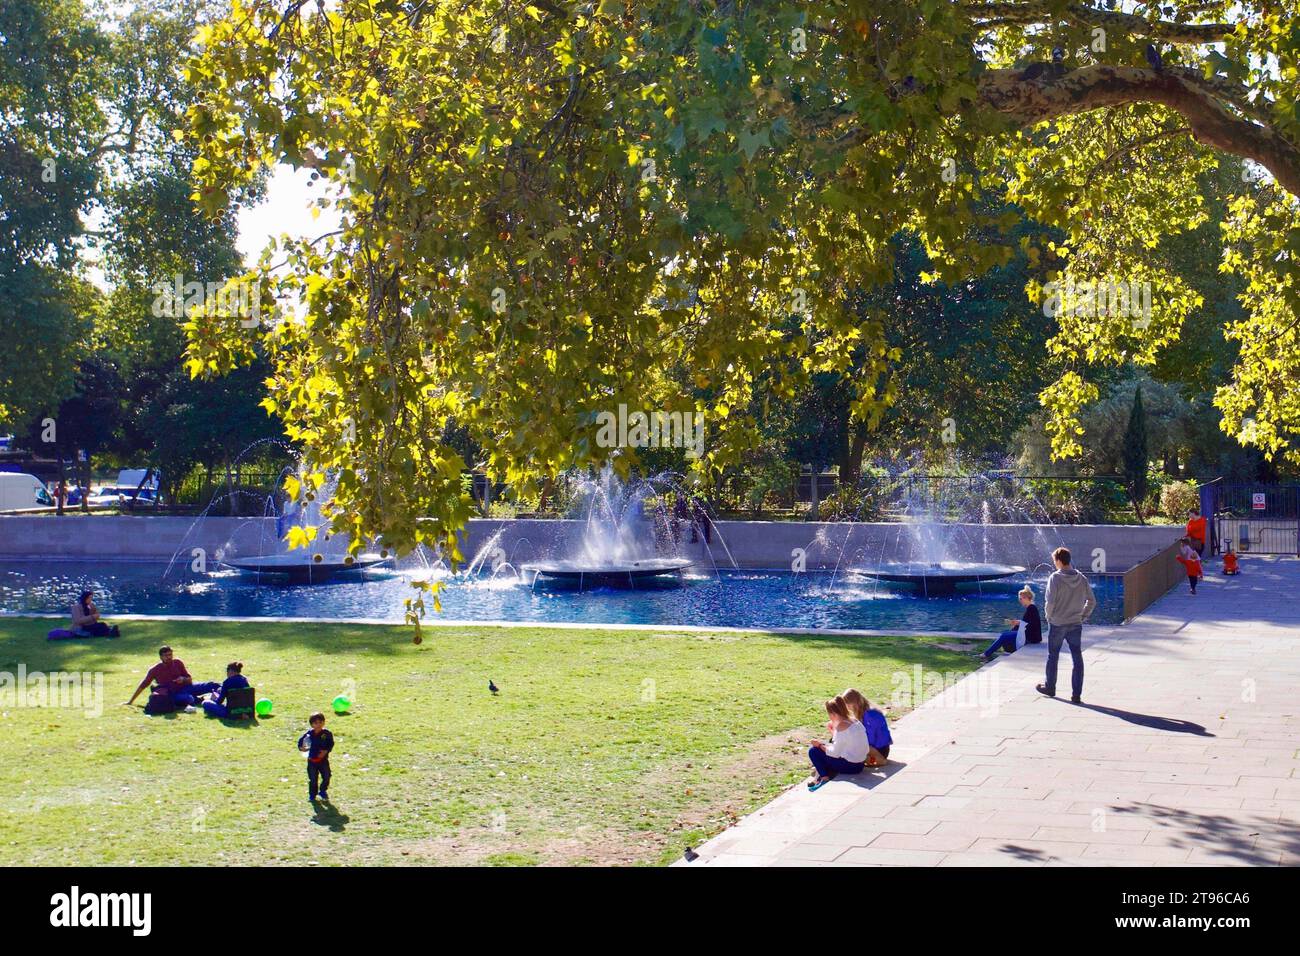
{"x": 1190, "y": 560}
{"x": 170, "y": 678}
{"x": 1230, "y": 561}
{"x": 1027, "y": 629}
{"x": 873, "y": 721}
{"x": 847, "y": 750}
{"x": 235, "y": 680}
{"x": 85, "y": 618}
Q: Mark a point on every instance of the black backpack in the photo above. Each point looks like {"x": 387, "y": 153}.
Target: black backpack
{"x": 159, "y": 703}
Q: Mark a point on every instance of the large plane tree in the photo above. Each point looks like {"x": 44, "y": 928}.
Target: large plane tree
{"x": 548, "y": 209}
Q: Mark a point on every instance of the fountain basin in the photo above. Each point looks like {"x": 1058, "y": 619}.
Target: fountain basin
{"x": 590, "y": 572}
{"x": 941, "y": 577}
{"x": 300, "y": 568}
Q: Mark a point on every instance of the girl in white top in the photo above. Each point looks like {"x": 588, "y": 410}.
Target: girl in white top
{"x": 847, "y": 750}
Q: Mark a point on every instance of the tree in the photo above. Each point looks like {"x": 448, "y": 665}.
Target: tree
{"x": 51, "y": 125}
{"x": 1136, "y": 457}
{"x": 86, "y": 423}
{"x": 546, "y": 207}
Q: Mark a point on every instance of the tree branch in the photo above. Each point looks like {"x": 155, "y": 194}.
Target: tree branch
{"x": 1029, "y": 102}
{"x": 1024, "y": 13}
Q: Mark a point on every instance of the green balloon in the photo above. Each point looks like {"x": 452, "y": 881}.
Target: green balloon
{"x": 264, "y": 707}
{"x": 341, "y": 704}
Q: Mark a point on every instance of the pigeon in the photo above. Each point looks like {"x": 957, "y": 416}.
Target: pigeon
{"x": 492, "y": 687}
{"x": 1033, "y": 71}
{"x": 690, "y": 855}
{"x": 1153, "y": 57}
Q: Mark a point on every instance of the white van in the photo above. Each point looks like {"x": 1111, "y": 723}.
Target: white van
{"x": 22, "y": 491}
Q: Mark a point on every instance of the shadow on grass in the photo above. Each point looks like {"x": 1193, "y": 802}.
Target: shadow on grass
{"x": 23, "y": 640}
{"x": 328, "y": 815}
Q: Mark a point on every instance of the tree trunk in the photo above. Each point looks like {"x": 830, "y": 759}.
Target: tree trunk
{"x": 852, "y": 469}
{"x": 63, "y": 485}
{"x": 813, "y": 509}
{"x": 230, "y": 489}
{"x": 1171, "y": 463}
{"x": 85, "y": 483}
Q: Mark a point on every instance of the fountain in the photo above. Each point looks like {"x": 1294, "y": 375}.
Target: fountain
{"x": 936, "y": 564}
{"x": 939, "y": 577}
{"x": 300, "y": 565}
{"x": 622, "y": 542}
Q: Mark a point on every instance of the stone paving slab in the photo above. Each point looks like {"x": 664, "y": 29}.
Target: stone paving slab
{"x": 1185, "y": 751}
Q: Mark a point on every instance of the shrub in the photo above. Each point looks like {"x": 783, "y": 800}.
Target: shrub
{"x": 846, "y": 503}
{"x": 1177, "y": 498}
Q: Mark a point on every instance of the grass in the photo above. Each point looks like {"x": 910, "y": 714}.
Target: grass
{"x": 602, "y": 746}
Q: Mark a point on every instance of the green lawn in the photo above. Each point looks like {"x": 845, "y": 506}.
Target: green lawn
{"x": 602, "y": 747}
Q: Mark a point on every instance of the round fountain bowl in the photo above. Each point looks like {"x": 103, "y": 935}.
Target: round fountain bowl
{"x": 941, "y": 577}
{"x": 588, "y": 572}
{"x": 301, "y": 567}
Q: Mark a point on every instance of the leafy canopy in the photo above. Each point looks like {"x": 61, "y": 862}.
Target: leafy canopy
{"x": 548, "y": 209}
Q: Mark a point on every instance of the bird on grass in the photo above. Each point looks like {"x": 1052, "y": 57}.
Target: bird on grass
{"x": 492, "y": 687}
{"x": 690, "y": 855}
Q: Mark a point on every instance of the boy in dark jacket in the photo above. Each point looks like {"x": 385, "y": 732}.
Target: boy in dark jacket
{"x": 317, "y": 742}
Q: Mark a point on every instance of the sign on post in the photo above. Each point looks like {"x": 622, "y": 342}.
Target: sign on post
{"x": 1258, "y": 501}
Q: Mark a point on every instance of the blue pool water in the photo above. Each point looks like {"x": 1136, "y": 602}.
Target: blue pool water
{"x": 732, "y": 599}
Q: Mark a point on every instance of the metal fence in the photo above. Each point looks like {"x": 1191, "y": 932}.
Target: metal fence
{"x": 200, "y": 490}
{"x": 1256, "y": 518}
{"x": 1147, "y": 582}
{"x": 992, "y": 497}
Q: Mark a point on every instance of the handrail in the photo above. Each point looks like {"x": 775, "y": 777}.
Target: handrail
{"x": 1148, "y": 581}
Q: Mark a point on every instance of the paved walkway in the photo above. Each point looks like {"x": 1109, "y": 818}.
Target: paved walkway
{"x": 1184, "y": 752}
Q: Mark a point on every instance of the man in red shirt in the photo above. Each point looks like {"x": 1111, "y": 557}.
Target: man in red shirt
{"x": 170, "y": 677}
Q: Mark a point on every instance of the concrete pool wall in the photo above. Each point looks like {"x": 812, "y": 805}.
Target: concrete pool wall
{"x": 751, "y": 544}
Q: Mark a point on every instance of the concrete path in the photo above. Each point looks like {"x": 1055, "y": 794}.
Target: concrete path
{"x": 1185, "y": 751}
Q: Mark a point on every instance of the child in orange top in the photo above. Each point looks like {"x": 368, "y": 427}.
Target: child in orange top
{"x": 1189, "y": 559}
{"x": 1230, "y": 561}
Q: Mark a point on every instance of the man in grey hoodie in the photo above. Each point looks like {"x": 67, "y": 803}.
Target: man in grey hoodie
{"x": 1069, "y": 603}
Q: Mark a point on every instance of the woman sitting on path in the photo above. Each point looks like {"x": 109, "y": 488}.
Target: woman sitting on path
{"x": 1028, "y": 629}
{"x": 847, "y": 750}
{"x": 85, "y": 618}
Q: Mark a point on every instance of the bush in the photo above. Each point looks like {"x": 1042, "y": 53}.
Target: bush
{"x": 1177, "y": 498}
{"x": 847, "y": 503}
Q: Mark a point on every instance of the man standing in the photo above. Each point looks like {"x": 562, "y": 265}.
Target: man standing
{"x": 1069, "y": 603}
